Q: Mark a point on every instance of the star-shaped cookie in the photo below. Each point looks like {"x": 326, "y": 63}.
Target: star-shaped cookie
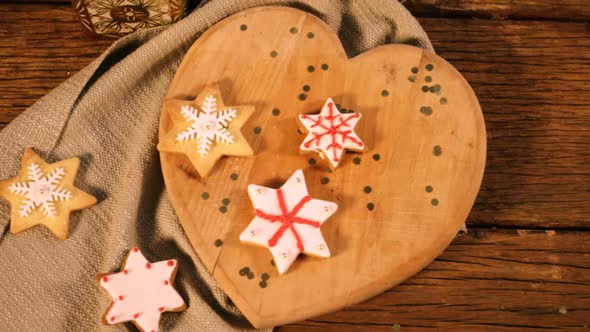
{"x": 141, "y": 292}
{"x": 288, "y": 221}
{"x": 331, "y": 132}
{"x": 44, "y": 194}
{"x": 204, "y": 129}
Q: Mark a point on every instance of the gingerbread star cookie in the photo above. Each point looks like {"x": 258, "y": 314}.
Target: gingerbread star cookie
{"x": 44, "y": 194}
{"x": 141, "y": 292}
{"x": 288, "y": 221}
{"x": 205, "y": 129}
{"x": 330, "y": 133}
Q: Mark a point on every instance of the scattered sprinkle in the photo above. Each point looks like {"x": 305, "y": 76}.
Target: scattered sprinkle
{"x": 325, "y": 67}
{"x": 356, "y": 161}
{"x": 367, "y": 189}
{"x": 428, "y": 79}
{"x": 324, "y": 180}
{"x": 218, "y": 243}
{"x": 443, "y": 100}
{"x": 415, "y": 70}
{"x": 276, "y": 112}
{"x": 250, "y": 275}
{"x": 310, "y": 69}
{"x": 274, "y": 54}
{"x": 244, "y": 271}
{"x": 262, "y": 284}
{"x": 311, "y": 161}
{"x": 310, "y": 35}
{"x": 425, "y": 88}
{"x": 306, "y": 88}
{"x": 234, "y": 176}
{"x": 265, "y": 276}
{"x": 225, "y": 201}
{"x": 302, "y": 96}
{"x": 385, "y": 93}
{"x": 376, "y": 157}
{"x": 223, "y": 209}
{"x": 434, "y": 202}
{"x": 243, "y": 27}
{"x": 428, "y": 188}
{"x": 412, "y": 78}
{"x": 437, "y": 150}
{"x": 429, "y": 67}
{"x": 205, "y": 195}
{"x": 371, "y": 206}
{"x": 293, "y": 30}
{"x": 257, "y": 130}
{"x": 426, "y": 110}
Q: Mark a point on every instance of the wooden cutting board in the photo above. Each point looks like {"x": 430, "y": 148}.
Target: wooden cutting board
{"x": 401, "y": 202}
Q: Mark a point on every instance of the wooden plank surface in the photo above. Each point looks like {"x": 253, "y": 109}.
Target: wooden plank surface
{"x": 566, "y": 10}
{"x": 524, "y": 73}
{"x": 488, "y": 280}
{"x": 531, "y": 79}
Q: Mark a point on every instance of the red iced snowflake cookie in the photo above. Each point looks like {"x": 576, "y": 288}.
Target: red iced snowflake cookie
{"x": 141, "y": 292}
{"x": 288, "y": 221}
{"x": 331, "y": 132}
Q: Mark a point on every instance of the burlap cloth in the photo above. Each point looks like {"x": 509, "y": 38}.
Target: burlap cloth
{"x": 108, "y": 115}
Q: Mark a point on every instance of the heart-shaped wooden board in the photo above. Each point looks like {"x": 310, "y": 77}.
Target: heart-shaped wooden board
{"x": 401, "y": 202}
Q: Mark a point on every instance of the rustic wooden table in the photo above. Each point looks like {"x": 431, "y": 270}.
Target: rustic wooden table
{"x": 525, "y": 263}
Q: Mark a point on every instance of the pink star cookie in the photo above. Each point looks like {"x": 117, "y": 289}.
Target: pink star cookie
{"x": 142, "y": 292}
{"x": 288, "y": 221}
{"x": 331, "y": 132}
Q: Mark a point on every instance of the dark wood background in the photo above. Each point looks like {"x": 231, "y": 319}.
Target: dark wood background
{"x": 525, "y": 263}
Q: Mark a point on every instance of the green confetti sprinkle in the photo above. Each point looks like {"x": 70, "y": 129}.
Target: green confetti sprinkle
{"x": 367, "y": 189}
{"x": 276, "y": 112}
{"x": 310, "y": 69}
{"x": 311, "y": 161}
{"x": 428, "y": 189}
{"x": 376, "y": 157}
{"x": 274, "y": 54}
{"x": 434, "y": 202}
{"x": 325, "y": 67}
{"x": 415, "y": 70}
{"x": 218, "y": 243}
{"x": 437, "y": 150}
{"x": 243, "y": 27}
{"x": 257, "y": 130}
{"x": 324, "y": 180}
{"x": 310, "y": 35}
{"x": 429, "y": 67}
{"x": 306, "y": 88}
{"x": 302, "y": 96}
{"x": 356, "y": 161}
{"x": 371, "y": 206}
{"x": 234, "y": 176}
{"x": 293, "y": 30}
{"x": 223, "y": 209}
{"x": 205, "y": 195}
{"x": 225, "y": 201}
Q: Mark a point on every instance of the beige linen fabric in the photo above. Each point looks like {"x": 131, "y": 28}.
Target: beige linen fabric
{"x": 107, "y": 115}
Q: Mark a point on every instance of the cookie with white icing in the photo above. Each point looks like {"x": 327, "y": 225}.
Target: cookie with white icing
{"x": 44, "y": 194}
{"x": 141, "y": 292}
{"x": 288, "y": 221}
{"x": 330, "y": 133}
{"x": 205, "y": 129}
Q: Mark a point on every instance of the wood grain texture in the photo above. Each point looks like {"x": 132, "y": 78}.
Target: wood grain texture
{"x": 533, "y": 118}
{"x": 488, "y": 280}
{"x": 566, "y": 10}
{"x": 421, "y": 142}
{"x": 41, "y": 45}
{"x": 528, "y": 76}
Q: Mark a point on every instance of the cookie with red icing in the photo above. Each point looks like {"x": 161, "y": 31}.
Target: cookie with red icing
{"x": 288, "y": 221}
{"x": 141, "y": 292}
{"x": 331, "y": 133}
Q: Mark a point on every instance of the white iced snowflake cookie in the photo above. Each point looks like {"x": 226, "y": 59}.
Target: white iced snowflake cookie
{"x": 330, "y": 133}
{"x": 288, "y": 221}
{"x": 204, "y": 129}
{"x": 44, "y": 194}
{"x": 141, "y": 292}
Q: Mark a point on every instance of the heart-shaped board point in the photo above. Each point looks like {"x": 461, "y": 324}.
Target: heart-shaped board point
{"x": 401, "y": 201}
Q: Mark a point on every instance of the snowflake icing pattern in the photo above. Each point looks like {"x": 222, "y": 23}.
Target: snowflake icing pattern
{"x": 42, "y": 191}
{"x": 331, "y": 132}
{"x": 207, "y": 125}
